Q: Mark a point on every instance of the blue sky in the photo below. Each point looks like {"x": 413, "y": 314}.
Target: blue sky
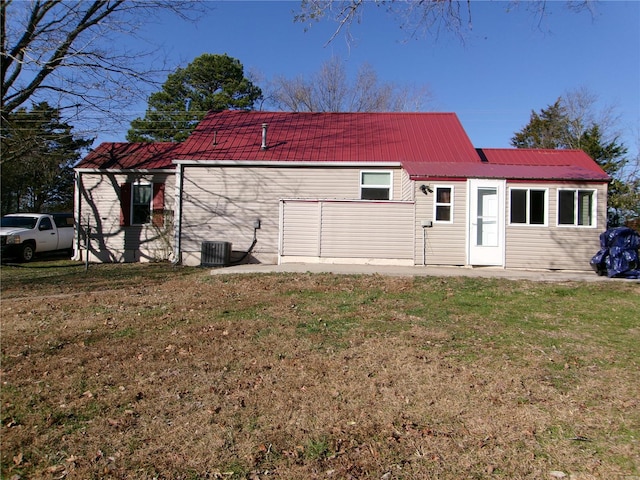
{"x": 507, "y": 66}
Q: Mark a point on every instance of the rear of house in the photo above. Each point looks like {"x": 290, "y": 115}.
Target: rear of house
{"x": 378, "y": 188}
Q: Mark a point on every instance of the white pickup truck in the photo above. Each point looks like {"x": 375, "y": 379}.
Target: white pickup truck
{"x": 23, "y": 235}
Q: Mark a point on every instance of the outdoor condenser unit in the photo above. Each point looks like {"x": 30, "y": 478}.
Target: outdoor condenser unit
{"x": 215, "y": 254}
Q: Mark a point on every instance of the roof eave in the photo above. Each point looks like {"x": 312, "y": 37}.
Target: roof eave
{"x": 426, "y": 177}
{"x": 285, "y": 163}
{"x": 125, "y": 170}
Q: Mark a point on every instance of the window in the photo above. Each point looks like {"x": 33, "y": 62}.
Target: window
{"x": 140, "y": 203}
{"x": 45, "y": 224}
{"x": 443, "y": 204}
{"x": 576, "y": 207}
{"x": 528, "y": 206}
{"x": 375, "y": 185}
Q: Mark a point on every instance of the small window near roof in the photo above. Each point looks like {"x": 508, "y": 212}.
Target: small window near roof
{"x": 375, "y": 185}
{"x": 443, "y": 204}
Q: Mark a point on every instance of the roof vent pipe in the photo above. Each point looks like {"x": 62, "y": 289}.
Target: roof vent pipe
{"x": 264, "y": 136}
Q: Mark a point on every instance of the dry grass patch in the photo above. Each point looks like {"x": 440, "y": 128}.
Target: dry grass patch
{"x": 172, "y": 373}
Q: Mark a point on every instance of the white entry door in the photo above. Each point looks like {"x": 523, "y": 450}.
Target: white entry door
{"x": 486, "y": 222}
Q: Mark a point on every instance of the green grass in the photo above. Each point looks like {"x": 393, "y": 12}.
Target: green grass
{"x": 308, "y": 374}
{"x": 70, "y": 277}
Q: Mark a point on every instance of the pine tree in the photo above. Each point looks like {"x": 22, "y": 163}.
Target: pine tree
{"x": 210, "y": 82}
{"x": 38, "y": 154}
{"x": 555, "y": 128}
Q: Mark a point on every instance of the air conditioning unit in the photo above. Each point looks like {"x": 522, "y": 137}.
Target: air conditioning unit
{"x": 215, "y": 254}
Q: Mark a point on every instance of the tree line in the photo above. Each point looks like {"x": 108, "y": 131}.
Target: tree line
{"x": 40, "y": 146}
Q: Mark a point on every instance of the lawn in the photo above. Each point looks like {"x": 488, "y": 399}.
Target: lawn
{"x": 154, "y": 371}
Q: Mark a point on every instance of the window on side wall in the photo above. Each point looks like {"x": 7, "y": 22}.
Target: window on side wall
{"x": 140, "y": 203}
{"x": 375, "y": 185}
{"x": 443, "y": 204}
{"x": 576, "y": 207}
{"x": 528, "y": 206}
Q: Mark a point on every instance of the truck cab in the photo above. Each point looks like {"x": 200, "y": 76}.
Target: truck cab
{"x": 23, "y": 235}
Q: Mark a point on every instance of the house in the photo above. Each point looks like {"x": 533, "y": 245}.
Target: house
{"x": 378, "y": 188}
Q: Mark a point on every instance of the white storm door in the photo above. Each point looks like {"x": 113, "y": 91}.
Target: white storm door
{"x": 486, "y": 222}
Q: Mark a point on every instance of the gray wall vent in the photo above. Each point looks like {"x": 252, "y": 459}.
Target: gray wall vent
{"x": 215, "y": 254}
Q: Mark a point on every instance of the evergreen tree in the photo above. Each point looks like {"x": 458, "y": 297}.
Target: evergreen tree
{"x": 547, "y": 129}
{"x": 210, "y": 82}
{"x": 38, "y": 154}
{"x": 555, "y": 128}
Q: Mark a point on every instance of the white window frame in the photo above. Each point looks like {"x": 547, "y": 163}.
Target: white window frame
{"x": 594, "y": 207}
{"x": 437, "y": 204}
{"x": 527, "y": 222}
{"x": 389, "y": 187}
{"x": 133, "y": 204}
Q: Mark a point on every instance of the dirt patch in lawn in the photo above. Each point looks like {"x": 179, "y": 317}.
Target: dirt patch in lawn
{"x": 320, "y": 376}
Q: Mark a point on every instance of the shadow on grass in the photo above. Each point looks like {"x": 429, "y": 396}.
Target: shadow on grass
{"x": 39, "y": 265}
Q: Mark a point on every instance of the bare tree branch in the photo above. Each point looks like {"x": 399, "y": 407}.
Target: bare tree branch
{"x": 416, "y": 17}
{"x": 67, "y": 53}
{"x": 330, "y": 90}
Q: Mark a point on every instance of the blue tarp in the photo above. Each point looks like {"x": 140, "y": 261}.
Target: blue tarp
{"x": 618, "y": 255}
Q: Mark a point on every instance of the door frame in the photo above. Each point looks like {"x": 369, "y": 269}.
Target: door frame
{"x": 487, "y": 255}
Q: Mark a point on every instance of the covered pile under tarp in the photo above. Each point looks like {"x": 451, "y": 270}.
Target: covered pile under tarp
{"x": 618, "y": 255}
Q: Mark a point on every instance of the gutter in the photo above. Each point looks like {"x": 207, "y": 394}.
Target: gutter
{"x": 282, "y": 163}
{"x": 128, "y": 170}
{"x": 177, "y": 227}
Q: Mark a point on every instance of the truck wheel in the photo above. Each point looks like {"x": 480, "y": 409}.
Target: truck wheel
{"x": 27, "y": 252}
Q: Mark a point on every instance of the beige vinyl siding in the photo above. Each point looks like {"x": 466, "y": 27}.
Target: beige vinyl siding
{"x": 348, "y": 229}
{"x": 100, "y": 210}
{"x": 553, "y": 246}
{"x": 407, "y": 187}
{"x": 367, "y": 230}
{"x": 444, "y": 243}
{"x": 221, "y": 203}
{"x": 301, "y": 231}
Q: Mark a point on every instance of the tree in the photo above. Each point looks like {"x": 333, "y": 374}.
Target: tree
{"x": 572, "y": 123}
{"x": 63, "y": 60}
{"x": 39, "y": 152}
{"x": 329, "y": 90}
{"x": 210, "y": 82}
{"x": 548, "y": 129}
{"x": 68, "y": 54}
{"x": 425, "y": 17}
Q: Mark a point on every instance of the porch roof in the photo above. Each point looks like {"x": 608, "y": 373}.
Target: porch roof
{"x": 515, "y": 164}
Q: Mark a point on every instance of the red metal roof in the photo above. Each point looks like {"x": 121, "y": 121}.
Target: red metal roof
{"x": 516, "y": 164}
{"x": 427, "y": 145}
{"x": 330, "y": 137}
{"x": 131, "y": 156}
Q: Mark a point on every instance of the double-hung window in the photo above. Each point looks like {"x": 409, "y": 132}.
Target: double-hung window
{"x": 576, "y": 207}
{"x": 140, "y": 203}
{"x": 528, "y": 206}
{"x": 443, "y": 204}
{"x": 376, "y": 185}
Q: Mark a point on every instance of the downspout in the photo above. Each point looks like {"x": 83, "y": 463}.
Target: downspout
{"x": 424, "y": 247}
{"x": 177, "y": 228}
{"x": 78, "y": 212}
